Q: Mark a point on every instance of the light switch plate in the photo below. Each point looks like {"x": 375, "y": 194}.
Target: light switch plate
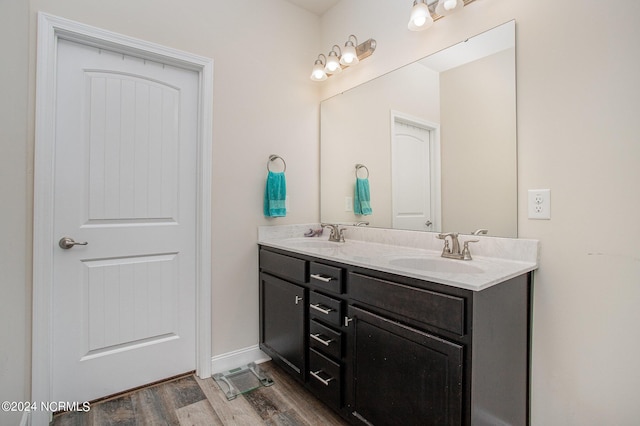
{"x": 539, "y": 204}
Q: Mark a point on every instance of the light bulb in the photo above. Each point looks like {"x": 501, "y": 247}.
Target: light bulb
{"x": 349, "y": 56}
{"x": 419, "y": 21}
{"x": 333, "y": 64}
{"x": 447, "y": 7}
{"x": 318, "y": 73}
{"x": 420, "y": 18}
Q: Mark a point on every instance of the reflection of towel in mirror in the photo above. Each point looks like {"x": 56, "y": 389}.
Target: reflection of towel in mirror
{"x": 275, "y": 194}
{"x": 362, "y": 198}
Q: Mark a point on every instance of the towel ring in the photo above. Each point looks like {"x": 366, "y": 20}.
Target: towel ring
{"x": 274, "y": 157}
{"x": 362, "y": 166}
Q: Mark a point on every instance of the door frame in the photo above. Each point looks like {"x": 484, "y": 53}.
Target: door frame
{"x": 51, "y": 29}
{"x": 434, "y": 159}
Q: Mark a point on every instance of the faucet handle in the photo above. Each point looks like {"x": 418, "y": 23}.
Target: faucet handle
{"x": 466, "y": 254}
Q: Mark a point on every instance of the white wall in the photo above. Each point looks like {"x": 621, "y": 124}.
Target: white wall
{"x": 15, "y": 203}
{"x": 578, "y": 100}
{"x": 264, "y": 103}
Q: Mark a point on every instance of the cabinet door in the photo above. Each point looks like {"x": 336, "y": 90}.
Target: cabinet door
{"x": 403, "y": 376}
{"x": 282, "y": 311}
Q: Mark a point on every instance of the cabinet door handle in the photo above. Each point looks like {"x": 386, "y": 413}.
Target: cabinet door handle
{"x": 317, "y": 338}
{"x": 347, "y": 320}
{"x": 316, "y": 375}
{"x": 298, "y": 299}
{"x": 321, "y": 278}
{"x": 318, "y": 307}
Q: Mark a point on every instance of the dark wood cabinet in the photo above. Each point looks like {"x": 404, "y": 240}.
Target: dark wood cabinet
{"x": 282, "y": 325}
{"x": 385, "y": 349}
{"x": 403, "y": 376}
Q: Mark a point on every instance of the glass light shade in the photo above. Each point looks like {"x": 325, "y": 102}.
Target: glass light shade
{"x": 333, "y": 64}
{"x": 318, "y": 73}
{"x": 349, "y": 56}
{"x": 447, "y": 7}
{"x": 420, "y": 18}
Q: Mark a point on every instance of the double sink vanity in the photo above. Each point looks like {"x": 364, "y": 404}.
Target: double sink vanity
{"x": 385, "y": 330}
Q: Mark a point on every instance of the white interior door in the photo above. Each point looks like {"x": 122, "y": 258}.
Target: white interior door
{"x": 415, "y": 175}
{"x": 124, "y": 305}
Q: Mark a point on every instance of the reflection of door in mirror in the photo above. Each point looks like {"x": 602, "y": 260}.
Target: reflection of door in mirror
{"x": 415, "y": 173}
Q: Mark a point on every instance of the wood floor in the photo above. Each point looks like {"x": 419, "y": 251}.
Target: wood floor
{"x": 193, "y": 401}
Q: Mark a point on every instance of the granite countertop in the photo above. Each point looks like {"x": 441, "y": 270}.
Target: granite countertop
{"x": 412, "y": 254}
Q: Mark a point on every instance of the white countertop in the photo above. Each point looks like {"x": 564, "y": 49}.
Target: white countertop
{"x": 401, "y": 254}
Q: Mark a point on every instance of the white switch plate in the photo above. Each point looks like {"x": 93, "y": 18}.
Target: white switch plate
{"x": 348, "y": 204}
{"x": 539, "y": 204}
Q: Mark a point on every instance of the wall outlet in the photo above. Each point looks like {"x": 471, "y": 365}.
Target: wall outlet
{"x": 348, "y": 204}
{"x": 539, "y": 204}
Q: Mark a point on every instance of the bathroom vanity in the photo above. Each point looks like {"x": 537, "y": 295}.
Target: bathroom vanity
{"x": 394, "y": 334}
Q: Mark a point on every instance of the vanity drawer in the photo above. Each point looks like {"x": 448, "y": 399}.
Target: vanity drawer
{"x": 324, "y": 378}
{"x": 325, "y": 308}
{"x": 325, "y": 277}
{"x": 325, "y": 339}
{"x": 429, "y": 307}
{"x": 284, "y": 266}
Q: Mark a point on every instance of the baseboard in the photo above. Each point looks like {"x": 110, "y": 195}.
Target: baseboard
{"x": 238, "y": 358}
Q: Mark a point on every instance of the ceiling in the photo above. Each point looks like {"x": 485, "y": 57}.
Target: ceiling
{"x": 315, "y": 6}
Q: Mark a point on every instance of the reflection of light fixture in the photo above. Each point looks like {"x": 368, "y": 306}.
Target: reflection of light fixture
{"x": 425, "y": 12}
{"x": 351, "y": 54}
{"x": 318, "y": 73}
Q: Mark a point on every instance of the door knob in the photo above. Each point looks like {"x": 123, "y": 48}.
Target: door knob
{"x": 66, "y": 243}
{"x": 428, "y": 223}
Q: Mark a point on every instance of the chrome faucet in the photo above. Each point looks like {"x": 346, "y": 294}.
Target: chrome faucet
{"x": 361, "y": 224}
{"x": 453, "y": 251}
{"x": 336, "y": 233}
{"x": 480, "y": 231}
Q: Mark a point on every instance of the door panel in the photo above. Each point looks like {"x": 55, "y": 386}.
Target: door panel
{"x": 125, "y": 182}
{"x": 411, "y": 168}
{"x": 404, "y": 376}
{"x": 283, "y": 322}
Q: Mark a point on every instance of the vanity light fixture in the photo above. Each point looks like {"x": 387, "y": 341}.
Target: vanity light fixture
{"x": 351, "y": 54}
{"x": 318, "y": 73}
{"x": 447, "y": 7}
{"x": 333, "y": 61}
{"x": 420, "y": 18}
{"x": 425, "y": 12}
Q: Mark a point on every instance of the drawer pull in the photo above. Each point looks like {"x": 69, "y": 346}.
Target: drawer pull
{"x": 317, "y": 338}
{"x": 322, "y": 278}
{"x": 316, "y": 375}
{"x": 318, "y": 307}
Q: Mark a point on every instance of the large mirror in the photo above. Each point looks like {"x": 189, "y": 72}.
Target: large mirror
{"x": 435, "y": 141}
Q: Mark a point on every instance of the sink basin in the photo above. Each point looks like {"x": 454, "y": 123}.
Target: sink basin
{"x": 436, "y": 264}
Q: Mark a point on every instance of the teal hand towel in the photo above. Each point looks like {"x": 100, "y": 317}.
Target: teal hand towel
{"x": 362, "y": 198}
{"x": 275, "y": 195}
